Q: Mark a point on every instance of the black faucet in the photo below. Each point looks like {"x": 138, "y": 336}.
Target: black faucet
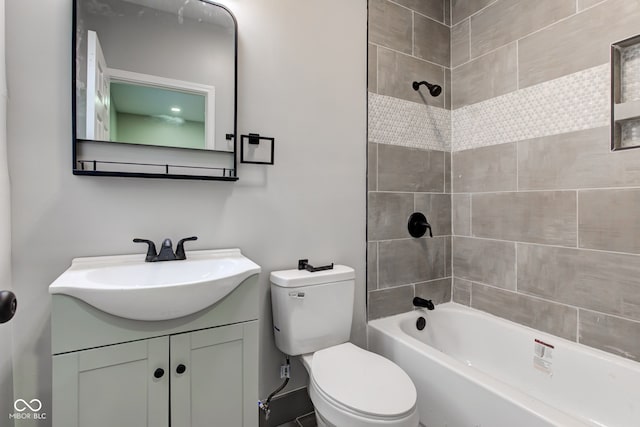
{"x": 166, "y": 250}
{"x": 426, "y": 303}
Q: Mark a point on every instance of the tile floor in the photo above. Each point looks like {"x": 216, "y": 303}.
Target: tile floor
{"x": 308, "y": 420}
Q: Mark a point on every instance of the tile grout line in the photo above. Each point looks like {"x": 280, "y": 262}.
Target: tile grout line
{"x": 417, "y": 58}
{"x": 526, "y": 295}
{"x": 407, "y": 192}
{"x": 419, "y": 13}
{"x": 578, "y": 323}
{"x": 413, "y": 283}
{"x": 473, "y": 14}
{"x": 550, "y": 190}
{"x": 577, "y": 220}
{"x": 615, "y": 316}
{"x": 546, "y": 245}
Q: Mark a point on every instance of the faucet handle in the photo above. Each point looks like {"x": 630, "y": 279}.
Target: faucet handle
{"x": 180, "y": 248}
{"x": 151, "y": 250}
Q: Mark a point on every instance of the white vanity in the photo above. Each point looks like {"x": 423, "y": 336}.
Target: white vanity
{"x": 191, "y": 370}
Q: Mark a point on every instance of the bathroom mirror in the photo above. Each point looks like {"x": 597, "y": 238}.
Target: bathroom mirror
{"x": 154, "y": 89}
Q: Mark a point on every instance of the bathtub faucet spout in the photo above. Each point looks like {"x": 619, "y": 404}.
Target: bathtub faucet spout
{"x": 426, "y": 303}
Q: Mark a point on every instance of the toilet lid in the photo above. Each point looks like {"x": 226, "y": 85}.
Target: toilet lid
{"x": 364, "y": 382}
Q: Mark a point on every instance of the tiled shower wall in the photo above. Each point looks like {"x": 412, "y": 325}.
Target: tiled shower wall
{"x": 409, "y": 154}
{"x": 545, "y": 218}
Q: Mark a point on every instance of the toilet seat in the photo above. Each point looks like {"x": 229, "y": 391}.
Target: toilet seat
{"x": 352, "y": 386}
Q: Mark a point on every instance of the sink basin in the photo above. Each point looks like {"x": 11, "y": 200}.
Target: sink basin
{"x": 128, "y": 287}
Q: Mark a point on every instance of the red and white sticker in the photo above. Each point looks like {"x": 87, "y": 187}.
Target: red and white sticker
{"x": 542, "y": 356}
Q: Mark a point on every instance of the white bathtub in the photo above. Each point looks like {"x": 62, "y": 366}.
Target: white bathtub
{"x": 474, "y": 369}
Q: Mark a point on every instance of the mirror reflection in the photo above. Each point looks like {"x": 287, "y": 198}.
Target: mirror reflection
{"x": 155, "y": 72}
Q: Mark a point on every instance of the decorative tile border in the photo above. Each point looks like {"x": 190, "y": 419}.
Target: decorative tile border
{"x": 570, "y": 103}
{"x": 575, "y": 102}
{"x": 395, "y": 121}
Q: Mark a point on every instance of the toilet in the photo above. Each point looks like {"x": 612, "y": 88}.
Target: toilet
{"x": 349, "y": 386}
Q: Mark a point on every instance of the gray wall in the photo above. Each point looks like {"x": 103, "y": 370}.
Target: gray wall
{"x": 407, "y": 41}
{"x": 546, "y": 228}
{"x": 311, "y": 203}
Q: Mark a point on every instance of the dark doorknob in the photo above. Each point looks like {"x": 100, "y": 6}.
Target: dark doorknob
{"x": 8, "y": 306}
{"x": 158, "y": 373}
{"x": 181, "y": 369}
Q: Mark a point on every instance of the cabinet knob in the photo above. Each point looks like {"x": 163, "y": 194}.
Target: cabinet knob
{"x": 181, "y": 369}
{"x": 158, "y": 373}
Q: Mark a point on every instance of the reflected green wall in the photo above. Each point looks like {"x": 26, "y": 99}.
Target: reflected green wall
{"x": 148, "y": 130}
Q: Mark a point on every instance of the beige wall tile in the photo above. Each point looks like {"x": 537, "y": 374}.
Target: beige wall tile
{"x": 431, "y": 8}
{"x": 579, "y": 42}
{"x": 372, "y": 166}
{"x": 410, "y": 261}
{"x": 508, "y": 20}
{"x": 447, "y": 12}
{"x": 438, "y": 291}
{"x": 538, "y": 217}
{"x": 461, "y": 214}
{"x": 396, "y": 73}
{"x": 490, "y": 168}
{"x": 608, "y": 219}
{"x": 460, "y": 43}
{"x": 486, "y": 261}
{"x": 437, "y": 209}
{"x": 583, "y": 4}
{"x": 390, "y": 25}
{"x": 491, "y": 75}
{"x": 601, "y": 281}
{"x": 461, "y": 9}
{"x": 387, "y": 215}
{"x": 612, "y": 334}
{"x": 431, "y": 40}
{"x": 461, "y": 291}
{"x": 545, "y": 316}
{"x": 580, "y": 159}
{"x": 387, "y": 302}
{"x": 372, "y": 68}
{"x": 372, "y": 266}
{"x": 410, "y": 169}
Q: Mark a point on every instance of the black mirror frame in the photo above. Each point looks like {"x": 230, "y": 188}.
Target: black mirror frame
{"x": 233, "y": 173}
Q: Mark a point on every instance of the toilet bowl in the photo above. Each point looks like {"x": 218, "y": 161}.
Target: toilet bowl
{"x": 348, "y": 386}
{"x": 352, "y": 387}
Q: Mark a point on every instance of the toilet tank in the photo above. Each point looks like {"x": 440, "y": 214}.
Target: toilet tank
{"x": 312, "y": 311}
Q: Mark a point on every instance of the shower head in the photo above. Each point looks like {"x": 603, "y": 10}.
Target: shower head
{"x": 434, "y": 89}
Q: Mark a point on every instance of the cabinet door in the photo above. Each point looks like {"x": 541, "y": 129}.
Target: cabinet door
{"x": 118, "y": 385}
{"x": 219, "y": 385}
